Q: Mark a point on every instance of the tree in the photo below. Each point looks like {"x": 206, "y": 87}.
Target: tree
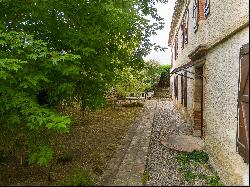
{"x": 59, "y": 50}
{"x": 101, "y": 32}
{"x": 129, "y": 81}
{"x": 165, "y": 75}
{"x": 154, "y": 71}
{"x": 134, "y": 80}
{"x": 26, "y": 68}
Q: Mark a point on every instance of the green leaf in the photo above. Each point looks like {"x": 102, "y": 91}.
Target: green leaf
{"x": 32, "y": 158}
{"x": 45, "y": 156}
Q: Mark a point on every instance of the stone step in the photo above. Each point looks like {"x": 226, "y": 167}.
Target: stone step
{"x": 185, "y": 143}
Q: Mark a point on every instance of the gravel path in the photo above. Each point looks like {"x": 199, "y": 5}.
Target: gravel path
{"x": 143, "y": 153}
{"x": 161, "y": 164}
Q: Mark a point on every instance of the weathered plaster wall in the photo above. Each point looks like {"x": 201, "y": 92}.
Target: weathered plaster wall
{"x": 221, "y": 70}
{"x": 220, "y": 108}
{"x": 224, "y": 17}
{"x": 194, "y": 39}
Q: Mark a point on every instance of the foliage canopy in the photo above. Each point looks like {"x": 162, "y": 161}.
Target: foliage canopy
{"x": 131, "y": 80}
{"x": 60, "y": 50}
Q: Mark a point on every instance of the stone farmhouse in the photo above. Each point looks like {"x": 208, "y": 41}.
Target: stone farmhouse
{"x": 210, "y": 79}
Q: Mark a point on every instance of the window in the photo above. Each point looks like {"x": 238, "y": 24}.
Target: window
{"x": 201, "y": 10}
{"x": 184, "y": 30}
{"x": 207, "y": 8}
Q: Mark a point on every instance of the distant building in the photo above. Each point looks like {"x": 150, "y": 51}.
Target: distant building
{"x": 209, "y": 79}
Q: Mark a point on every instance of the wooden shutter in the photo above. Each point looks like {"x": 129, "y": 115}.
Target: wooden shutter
{"x": 195, "y": 15}
{"x": 175, "y": 95}
{"x": 243, "y": 129}
{"x": 176, "y": 47}
{"x": 207, "y": 8}
{"x": 185, "y": 89}
{"x": 182, "y": 34}
{"x": 176, "y": 87}
{"x": 182, "y": 90}
{"x": 186, "y": 27}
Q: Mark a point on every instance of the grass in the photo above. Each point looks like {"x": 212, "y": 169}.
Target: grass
{"x": 77, "y": 177}
{"x": 65, "y": 157}
{"x": 145, "y": 177}
{"x": 90, "y": 144}
{"x": 190, "y": 162}
{"x": 197, "y": 156}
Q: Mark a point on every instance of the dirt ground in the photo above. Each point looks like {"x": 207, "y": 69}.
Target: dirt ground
{"x": 92, "y": 141}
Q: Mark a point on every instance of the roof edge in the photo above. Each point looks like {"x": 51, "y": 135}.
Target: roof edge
{"x": 179, "y": 4}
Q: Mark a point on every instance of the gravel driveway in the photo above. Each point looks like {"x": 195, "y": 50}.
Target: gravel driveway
{"x": 161, "y": 164}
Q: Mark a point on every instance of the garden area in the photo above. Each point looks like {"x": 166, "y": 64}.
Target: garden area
{"x": 80, "y": 157}
{"x": 62, "y": 64}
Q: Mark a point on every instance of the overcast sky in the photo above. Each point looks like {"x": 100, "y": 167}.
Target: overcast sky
{"x": 165, "y": 11}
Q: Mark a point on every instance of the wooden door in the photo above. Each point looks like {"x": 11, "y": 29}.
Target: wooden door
{"x": 243, "y": 129}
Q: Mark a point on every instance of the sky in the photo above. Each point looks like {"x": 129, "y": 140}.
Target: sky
{"x": 165, "y": 11}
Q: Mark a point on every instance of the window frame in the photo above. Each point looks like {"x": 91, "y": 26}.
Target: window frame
{"x": 207, "y": 8}
{"x": 195, "y": 15}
